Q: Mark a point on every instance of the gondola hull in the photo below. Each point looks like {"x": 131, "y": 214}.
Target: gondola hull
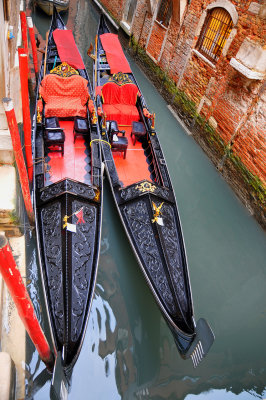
{"x": 48, "y": 5}
{"x": 68, "y": 207}
{"x": 144, "y": 195}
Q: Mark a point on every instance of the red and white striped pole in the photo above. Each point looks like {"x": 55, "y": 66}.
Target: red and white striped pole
{"x": 14, "y": 132}
{"x": 23, "y": 69}
{"x": 33, "y": 44}
{"x": 17, "y": 289}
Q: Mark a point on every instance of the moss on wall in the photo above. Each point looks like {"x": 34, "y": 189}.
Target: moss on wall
{"x": 255, "y": 191}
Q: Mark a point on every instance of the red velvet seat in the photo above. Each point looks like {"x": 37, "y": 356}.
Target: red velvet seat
{"x": 119, "y": 102}
{"x": 64, "y": 97}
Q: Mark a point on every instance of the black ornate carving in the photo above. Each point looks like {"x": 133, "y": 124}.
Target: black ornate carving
{"x": 139, "y": 225}
{"x": 137, "y": 190}
{"x": 171, "y": 242}
{"x": 110, "y": 165}
{"x": 161, "y": 161}
{"x": 52, "y": 244}
{"x": 67, "y": 185}
{"x": 69, "y": 265}
{"x": 83, "y": 243}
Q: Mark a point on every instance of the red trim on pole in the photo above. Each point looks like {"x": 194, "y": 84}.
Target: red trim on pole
{"x": 33, "y": 44}
{"x": 23, "y": 23}
{"x": 17, "y": 289}
{"x": 14, "y": 132}
{"x": 23, "y": 68}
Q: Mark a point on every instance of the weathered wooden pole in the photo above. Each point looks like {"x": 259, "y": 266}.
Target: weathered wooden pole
{"x": 17, "y": 289}
{"x": 23, "y": 176}
{"x": 33, "y": 44}
{"x": 23, "y": 71}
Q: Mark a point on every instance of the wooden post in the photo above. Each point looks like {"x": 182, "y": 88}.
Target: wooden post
{"x": 17, "y": 289}
{"x": 14, "y": 132}
{"x": 23, "y": 69}
{"x": 33, "y": 44}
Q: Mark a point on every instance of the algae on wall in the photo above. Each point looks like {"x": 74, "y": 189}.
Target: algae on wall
{"x": 247, "y": 186}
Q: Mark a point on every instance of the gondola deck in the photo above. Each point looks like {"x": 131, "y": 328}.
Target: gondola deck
{"x": 135, "y": 166}
{"x": 73, "y": 165}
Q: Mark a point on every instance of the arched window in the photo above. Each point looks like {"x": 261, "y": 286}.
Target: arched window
{"x": 165, "y": 12}
{"x": 215, "y": 32}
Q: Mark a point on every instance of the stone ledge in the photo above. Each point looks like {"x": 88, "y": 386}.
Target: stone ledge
{"x": 249, "y": 73}
{"x": 7, "y": 377}
{"x": 5, "y": 140}
{"x": 6, "y": 148}
{"x": 8, "y": 187}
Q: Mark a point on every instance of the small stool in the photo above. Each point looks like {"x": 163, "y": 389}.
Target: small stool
{"x": 138, "y": 130}
{"x": 118, "y": 143}
{"x": 51, "y": 123}
{"x": 81, "y": 127}
{"x": 54, "y": 140}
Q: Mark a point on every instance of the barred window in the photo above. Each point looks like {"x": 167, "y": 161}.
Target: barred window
{"x": 165, "y": 12}
{"x": 215, "y": 32}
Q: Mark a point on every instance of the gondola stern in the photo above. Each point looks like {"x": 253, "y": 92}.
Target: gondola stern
{"x": 201, "y": 343}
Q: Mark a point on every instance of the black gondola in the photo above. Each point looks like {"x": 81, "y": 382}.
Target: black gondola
{"x": 67, "y": 190}
{"x": 143, "y": 193}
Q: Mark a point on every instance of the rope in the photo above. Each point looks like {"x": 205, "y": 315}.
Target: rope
{"x": 100, "y": 140}
{"x": 38, "y": 160}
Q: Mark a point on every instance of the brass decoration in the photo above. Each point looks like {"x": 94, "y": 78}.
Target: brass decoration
{"x": 97, "y": 195}
{"x": 157, "y": 212}
{"x": 65, "y": 221}
{"x": 64, "y": 70}
{"x": 94, "y": 117}
{"x": 104, "y": 121}
{"x": 120, "y": 79}
{"x": 145, "y": 187}
{"x": 39, "y": 116}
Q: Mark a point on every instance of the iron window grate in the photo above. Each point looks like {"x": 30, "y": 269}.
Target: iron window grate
{"x": 216, "y": 30}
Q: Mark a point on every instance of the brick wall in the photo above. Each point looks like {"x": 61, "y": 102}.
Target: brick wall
{"x": 233, "y": 103}
{"x": 156, "y": 40}
{"x": 115, "y": 7}
{"x": 224, "y": 94}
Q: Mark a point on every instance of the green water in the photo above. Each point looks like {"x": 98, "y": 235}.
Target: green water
{"x": 128, "y": 351}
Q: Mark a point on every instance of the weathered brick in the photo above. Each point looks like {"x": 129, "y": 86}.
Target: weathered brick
{"x": 235, "y": 104}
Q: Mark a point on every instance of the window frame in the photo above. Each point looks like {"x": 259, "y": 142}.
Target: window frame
{"x": 166, "y": 9}
{"x": 218, "y": 30}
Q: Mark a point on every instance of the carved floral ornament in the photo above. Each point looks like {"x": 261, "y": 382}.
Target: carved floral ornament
{"x": 64, "y": 70}
{"x": 146, "y": 187}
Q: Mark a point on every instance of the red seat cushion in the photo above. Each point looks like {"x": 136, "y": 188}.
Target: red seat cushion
{"x": 124, "y": 114}
{"x": 120, "y": 102}
{"x": 64, "y": 97}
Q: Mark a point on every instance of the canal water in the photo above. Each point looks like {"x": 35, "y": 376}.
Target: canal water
{"x": 128, "y": 352}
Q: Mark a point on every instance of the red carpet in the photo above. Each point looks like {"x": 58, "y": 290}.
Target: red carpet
{"x": 72, "y": 164}
{"x": 134, "y": 168}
